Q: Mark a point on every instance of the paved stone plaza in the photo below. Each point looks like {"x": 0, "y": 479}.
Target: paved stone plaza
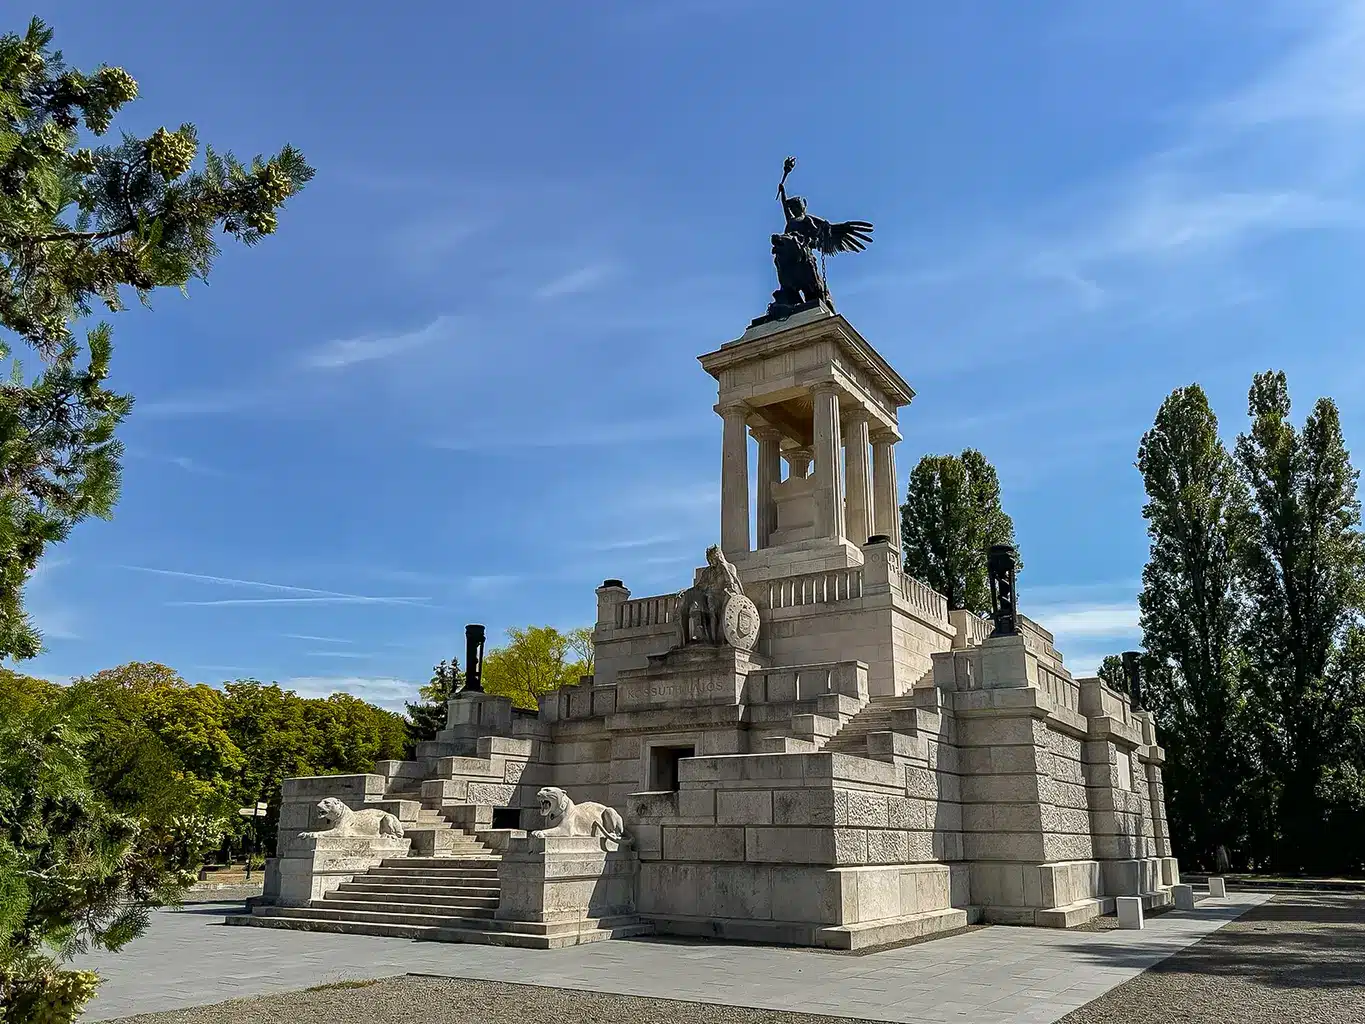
{"x": 990, "y": 975}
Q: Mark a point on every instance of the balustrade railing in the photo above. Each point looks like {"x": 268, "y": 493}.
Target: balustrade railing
{"x": 815, "y": 588}
{"x": 924, "y": 598}
{"x": 647, "y": 611}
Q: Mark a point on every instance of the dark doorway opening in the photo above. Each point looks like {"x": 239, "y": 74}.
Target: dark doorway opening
{"x": 506, "y": 817}
{"x": 663, "y": 766}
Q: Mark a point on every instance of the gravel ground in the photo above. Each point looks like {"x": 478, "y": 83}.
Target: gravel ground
{"x": 416, "y": 1000}
{"x": 1296, "y": 958}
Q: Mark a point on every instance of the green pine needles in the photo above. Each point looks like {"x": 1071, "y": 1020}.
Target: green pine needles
{"x": 80, "y": 226}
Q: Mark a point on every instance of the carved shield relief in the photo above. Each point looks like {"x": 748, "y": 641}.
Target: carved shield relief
{"x": 739, "y": 622}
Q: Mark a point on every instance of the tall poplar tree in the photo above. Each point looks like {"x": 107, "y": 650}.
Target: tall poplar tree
{"x": 1191, "y": 622}
{"x": 951, "y": 516}
{"x": 1302, "y": 564}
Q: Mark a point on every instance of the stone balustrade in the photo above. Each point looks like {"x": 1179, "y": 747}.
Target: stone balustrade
{"x": 812, "y": 588}
{"x": 647, "y": 611}
{"x": 924, "y": 598}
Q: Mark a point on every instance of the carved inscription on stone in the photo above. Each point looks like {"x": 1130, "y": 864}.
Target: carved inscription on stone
{"x": 673, "y": 692}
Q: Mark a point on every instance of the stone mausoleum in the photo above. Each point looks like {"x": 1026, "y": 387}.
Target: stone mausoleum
{"x": 805, "y": 747}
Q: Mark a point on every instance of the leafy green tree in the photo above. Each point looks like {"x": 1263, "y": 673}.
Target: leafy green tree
{"x": 1302, "y": 566}
{"x": 1112, "y": 674}
{"x": 951, "y": 516}
{"x": 535, "y": 661}
{"x": 427, "y": 717}
{"x": 78, "y": 225}
{"x": 1191, "y": 622}
{"x": 75, "y": 872}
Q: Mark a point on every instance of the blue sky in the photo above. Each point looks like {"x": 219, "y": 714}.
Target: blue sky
{"x": 459, "y": 384}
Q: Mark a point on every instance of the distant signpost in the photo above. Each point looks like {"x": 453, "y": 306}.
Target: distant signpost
{"x": 255, "y": 814}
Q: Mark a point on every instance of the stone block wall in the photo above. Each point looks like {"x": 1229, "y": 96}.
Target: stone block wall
{"x": 787, "y": 844}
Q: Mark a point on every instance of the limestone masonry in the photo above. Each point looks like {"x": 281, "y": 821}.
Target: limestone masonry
{"x": 876, "y": 768}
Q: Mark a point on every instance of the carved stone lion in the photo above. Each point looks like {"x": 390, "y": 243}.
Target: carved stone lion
{"x": 567, "y": 818}
{"x": 349, "y": 824}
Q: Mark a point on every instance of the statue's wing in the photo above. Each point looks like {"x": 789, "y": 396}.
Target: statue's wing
{"x": 845, "y": 236}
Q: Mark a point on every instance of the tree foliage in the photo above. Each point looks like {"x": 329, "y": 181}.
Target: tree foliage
{"x": 75, "y": 872}
{"x": 113, "y": 790}
{"x": 1251, "y": 616}
{"x": 427, "y": 716}
{"x": 535, "y": 661}
{"x": 1302, "y": 567}
{"x": 78, "y": 226}
{"x": 1192, "y": 620}
{"x": 951, "y": 516}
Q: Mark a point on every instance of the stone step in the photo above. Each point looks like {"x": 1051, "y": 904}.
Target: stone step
{"x": 458, "y": 890}
{"x": 461, "y": 909}
{"x": 422, "y": 918}
{"x": 439, "y": 898}
{"x": 545, "y": 937}
{"x": 444, "y": 863}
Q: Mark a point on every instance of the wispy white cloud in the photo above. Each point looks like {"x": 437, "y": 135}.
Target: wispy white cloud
{"x": 575, "y": 282}
{"x": 341, "y": 599}
{"x": 345, "y": 352}
{"x": 184, "y": 462}
{"x": 205, "y": 403}
{"x": 339, "y": 654}
{"x": 54, "y": 618}
{"x": 631, "y": 543}
{"x": 316, "y": 639}
{"x": 310, "y": 595}
{"x": 582, "y": 435}
{"x": 385, "y": 691}
{"x": 1102, "y": 620}
{"x": 1280, "y": 155}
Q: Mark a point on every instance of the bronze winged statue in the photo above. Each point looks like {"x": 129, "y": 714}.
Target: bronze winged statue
{"x": 800, "y": 281}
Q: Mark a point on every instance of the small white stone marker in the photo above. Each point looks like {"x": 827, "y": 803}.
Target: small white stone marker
{"x": 1184, "y": 896}
{"x": 1130, "y": 911}
{"x": 1218, "y": 889}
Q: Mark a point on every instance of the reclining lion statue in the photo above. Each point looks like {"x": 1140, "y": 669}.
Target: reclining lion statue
{"x": 349, "y": 824}
{"x": 567, "y": 818}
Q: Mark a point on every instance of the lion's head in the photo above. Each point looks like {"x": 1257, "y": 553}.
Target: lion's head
{"x": 332, "y": 810}
{"x": 554, "y": 804}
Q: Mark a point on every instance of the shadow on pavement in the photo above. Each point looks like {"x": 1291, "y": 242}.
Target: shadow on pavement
{"x": 1292, "y": 942}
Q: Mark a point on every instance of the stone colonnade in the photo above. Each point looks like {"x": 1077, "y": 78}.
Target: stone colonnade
{"x": 853, "y": 504}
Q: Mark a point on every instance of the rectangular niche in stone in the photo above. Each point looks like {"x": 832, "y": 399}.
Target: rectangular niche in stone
{"x": 663, "y": 767}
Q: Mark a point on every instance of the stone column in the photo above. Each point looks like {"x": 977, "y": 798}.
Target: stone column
{"x": 769, "y": 474}
{"x": 886, "y": 513}
{"x": 829, "y": 491}
{"x": 734, "y": 481}
{"x": 858, "y": 509}
{"x": 798, "y": 462}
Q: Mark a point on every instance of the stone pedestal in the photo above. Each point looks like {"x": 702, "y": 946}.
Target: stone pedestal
{"x": 1184, "y": 896}
{"x": 1218, "y": 889}
{"x": 1129, "y": 911}
{"x": 693, "y": 676}
{"x": 314, "y": 867}
{"x": 560, "y": 878}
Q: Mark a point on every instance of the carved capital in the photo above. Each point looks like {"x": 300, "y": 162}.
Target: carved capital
{"x": 826, "y": 387}
{"x": 884, "y": 435}
{"x": 763, "y": 432}
{"x": 733, "y": 410}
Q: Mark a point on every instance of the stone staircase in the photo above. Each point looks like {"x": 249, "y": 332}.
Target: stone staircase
{"x": 439, "y": 899}
{"x": 880, "y": 714}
